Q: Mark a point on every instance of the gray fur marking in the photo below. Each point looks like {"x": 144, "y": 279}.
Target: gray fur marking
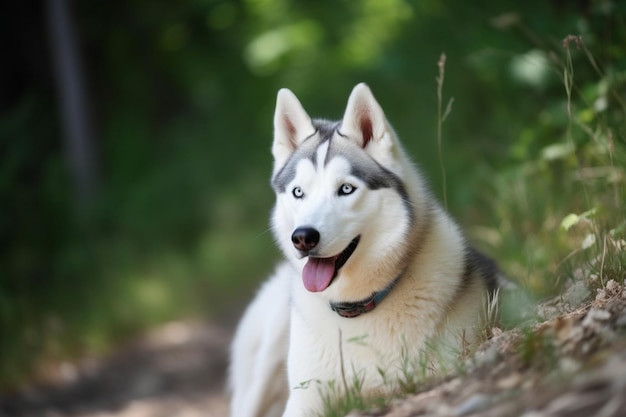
{"x": 477, "y": 264}
{"x": 364, "y": 167}
{"x": 324, "y": 131}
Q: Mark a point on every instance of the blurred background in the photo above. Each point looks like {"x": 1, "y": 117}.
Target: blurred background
{"x": 135, "y": 138}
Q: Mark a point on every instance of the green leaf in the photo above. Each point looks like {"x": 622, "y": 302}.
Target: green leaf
{"x": 569, "y": 221}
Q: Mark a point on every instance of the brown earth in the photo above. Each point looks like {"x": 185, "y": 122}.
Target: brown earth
{"x": 175, "y": 371}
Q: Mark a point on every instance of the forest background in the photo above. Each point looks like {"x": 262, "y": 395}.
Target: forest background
{"x": 135, "y": 137}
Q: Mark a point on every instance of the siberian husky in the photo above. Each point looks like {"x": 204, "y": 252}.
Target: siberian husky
{"x": 376, "y": 274}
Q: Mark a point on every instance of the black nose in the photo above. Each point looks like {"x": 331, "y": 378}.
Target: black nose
{"x": 305, "y": 238}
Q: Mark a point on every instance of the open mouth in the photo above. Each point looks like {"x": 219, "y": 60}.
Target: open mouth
{"x": 318, "y": 273}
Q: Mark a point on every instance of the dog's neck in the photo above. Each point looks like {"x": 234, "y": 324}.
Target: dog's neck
{"x": 354, "y": 309}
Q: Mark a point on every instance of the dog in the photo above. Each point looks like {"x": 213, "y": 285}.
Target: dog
{"x": 377, "y": 275}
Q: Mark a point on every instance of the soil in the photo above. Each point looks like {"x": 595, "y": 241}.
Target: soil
{"x": 177, "y": 370}
{"x": 569, "y": 362}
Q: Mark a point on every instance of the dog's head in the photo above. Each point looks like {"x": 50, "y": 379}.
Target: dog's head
{"x": 342, "y": 205}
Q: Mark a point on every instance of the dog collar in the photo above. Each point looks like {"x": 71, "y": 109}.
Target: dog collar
{"x": 354, "y": 309}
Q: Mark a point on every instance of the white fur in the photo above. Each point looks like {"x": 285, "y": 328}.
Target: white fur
{"x": 288, "y": 323}
{"x": 258, "y": 375}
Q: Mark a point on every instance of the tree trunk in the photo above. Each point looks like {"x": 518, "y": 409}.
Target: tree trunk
{"x": 77, "y": 130}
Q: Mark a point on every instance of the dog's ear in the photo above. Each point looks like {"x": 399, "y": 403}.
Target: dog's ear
{"x": 292, "y": 125}
{"x": 364, "y": 120}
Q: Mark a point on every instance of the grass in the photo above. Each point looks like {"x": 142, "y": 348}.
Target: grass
{"x": 340, "y": 398}
{"x": 441, "y": 117}
{"x": 603, "y": 222}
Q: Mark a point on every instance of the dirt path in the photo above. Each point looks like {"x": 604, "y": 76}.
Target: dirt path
{"x": 175, "y": 371}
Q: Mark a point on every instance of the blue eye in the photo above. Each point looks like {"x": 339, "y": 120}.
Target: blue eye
{"x": 297, "y": 192}
{"x": 346, "y": 189}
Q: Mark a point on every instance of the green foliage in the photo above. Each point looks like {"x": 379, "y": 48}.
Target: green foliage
{"x": 183, "y": 95}
{"x": 569, "y": 176}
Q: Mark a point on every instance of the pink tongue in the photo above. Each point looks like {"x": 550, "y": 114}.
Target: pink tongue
{"x": 317, "y": 273}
